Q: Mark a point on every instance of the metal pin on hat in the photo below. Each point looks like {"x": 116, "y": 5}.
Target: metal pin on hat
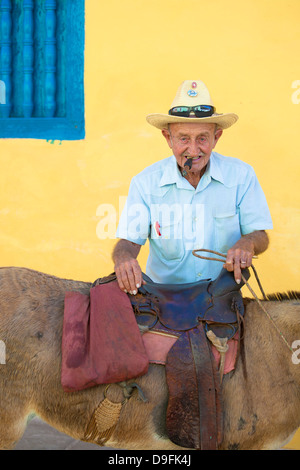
{"x": 193, "y": 92}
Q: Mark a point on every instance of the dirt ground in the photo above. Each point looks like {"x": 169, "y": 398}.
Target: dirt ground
{"x": 40, "y": 436}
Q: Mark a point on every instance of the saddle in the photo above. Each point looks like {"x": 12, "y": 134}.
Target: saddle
{"x": 189, "y": 312}
{"x": 182, "y": 307}
{"x": 194, "y": 413}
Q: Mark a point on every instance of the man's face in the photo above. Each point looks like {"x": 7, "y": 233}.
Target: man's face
{"x": 192, "y": 140}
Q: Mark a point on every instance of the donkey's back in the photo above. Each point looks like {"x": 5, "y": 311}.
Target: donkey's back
{"x": 31, "y": 316}
{"x": 31, "y": 324}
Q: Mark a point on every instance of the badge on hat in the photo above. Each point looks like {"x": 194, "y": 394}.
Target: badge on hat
{"x": 189, "y": 94}
{"x": 193, "y": 92}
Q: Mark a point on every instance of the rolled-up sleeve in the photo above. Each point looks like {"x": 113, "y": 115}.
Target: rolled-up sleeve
{"x": 254, "y": 213}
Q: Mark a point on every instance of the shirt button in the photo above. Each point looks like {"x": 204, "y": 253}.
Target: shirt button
{"x": 199, "y": 274}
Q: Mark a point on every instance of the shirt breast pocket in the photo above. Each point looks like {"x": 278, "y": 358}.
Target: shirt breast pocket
{"x": 227, "y": 231}
{"x": 169, "y": 241}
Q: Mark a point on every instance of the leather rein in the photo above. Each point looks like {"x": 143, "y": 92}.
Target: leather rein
{"x": 222, "y": 260}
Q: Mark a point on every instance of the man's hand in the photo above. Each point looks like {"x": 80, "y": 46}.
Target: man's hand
{"x": 240, "y": 255}
{"x": 127, "y": 269}
{"x": 238, "y": 259}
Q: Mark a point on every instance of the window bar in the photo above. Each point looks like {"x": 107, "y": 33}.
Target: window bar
{"x": 17, "y": 75}
{"x": 6, "y": 55}
{"x": 39, "y": 51}
{"x": 28, "y": 58}
{"x": 61, "y": 57}
{"x": 50, "y": 59}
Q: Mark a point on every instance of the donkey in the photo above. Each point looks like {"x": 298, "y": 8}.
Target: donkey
{"x": 261, "y": 397}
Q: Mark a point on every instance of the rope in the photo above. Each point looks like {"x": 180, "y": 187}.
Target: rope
{"x": 249, "y": 287}
{"x": 104, "y": 420}
{"x": 222, "y": 347}
{"x": 106, "y": 416}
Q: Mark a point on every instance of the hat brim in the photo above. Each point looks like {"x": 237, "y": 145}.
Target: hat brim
{"x": 161, "y": 121}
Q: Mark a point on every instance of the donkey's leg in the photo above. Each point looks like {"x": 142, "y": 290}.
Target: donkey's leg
{"x": 12, "y": 426}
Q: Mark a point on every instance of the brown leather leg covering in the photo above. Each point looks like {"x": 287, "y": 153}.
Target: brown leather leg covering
{"x": 194, "y": 413}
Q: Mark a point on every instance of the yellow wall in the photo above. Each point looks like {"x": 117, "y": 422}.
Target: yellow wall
{"x": 137, "y": 54}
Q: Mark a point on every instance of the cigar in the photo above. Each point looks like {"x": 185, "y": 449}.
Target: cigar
{"x": 188, "y": 163}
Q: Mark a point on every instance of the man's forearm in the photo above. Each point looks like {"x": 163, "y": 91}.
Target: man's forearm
{"x": 127, "y": 269}
{"x": 125, "y": 249}
{"x": 258, "y": 240}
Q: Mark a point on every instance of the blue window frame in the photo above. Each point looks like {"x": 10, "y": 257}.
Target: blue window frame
{"x": 42, "y": 69}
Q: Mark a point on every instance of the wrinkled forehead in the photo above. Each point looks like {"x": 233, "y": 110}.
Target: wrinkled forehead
{"x": 192, "y": 128}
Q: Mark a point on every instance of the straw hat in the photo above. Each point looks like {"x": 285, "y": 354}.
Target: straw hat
{"x": 192, "y": 93}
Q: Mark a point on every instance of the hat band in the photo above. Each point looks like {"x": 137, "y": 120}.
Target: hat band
{"x": 201, "y": 110}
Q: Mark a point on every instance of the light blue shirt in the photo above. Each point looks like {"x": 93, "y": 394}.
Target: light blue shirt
{"x": 165, "y": 208}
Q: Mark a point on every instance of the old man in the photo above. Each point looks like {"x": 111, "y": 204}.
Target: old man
{"x": 194, "y": 199}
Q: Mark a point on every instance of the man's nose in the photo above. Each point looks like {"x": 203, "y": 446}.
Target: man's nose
{"x": 193, "y": 148}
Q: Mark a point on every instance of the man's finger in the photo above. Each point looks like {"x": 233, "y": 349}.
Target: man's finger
{"x": 137, "y": 278}
{"x": 229, "y": 262}
{"x": 122, "y": 279}
{"x": 237, "y": 272}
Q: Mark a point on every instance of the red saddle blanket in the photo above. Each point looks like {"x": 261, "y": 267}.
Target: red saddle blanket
{"x": 101, "y": 341}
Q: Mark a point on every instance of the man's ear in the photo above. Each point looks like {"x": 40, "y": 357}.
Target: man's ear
{"x": 167, "y": 136}
{"x": 218, "y": 134}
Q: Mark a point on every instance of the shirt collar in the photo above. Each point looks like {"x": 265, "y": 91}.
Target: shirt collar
{"x": 172, "y": 175}
{"x": 214, "y": 169}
